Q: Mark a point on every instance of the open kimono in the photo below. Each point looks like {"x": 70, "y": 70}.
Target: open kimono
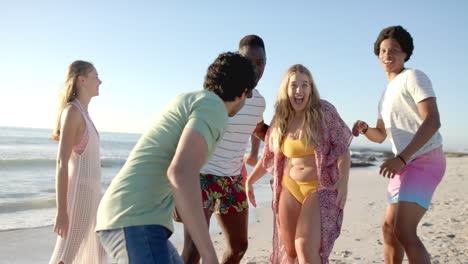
{"x": 335, "y": 138}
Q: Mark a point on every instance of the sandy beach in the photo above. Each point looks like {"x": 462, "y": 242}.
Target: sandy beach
{"x": 443, "y": 229}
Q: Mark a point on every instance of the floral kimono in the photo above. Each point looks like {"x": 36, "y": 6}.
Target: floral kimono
{"x": 335, "y": 138}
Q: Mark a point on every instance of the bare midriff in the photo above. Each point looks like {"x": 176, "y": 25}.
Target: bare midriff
{"x": 301, "y": 168}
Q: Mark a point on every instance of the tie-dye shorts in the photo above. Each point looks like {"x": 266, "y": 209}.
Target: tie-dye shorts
{"x": 418, "y": 180}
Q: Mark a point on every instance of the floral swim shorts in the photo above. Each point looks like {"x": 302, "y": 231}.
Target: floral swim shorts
{"x": 223, "y": 194}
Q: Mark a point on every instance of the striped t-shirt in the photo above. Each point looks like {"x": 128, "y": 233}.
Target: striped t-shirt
{"x": 399, "y": 111}
{"x": 228, "y": 156}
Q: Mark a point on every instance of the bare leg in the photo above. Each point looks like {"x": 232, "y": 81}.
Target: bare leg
{"x": 190, "y": 253}
{"x": 235, "y": 228}
{"x": 308, "y": 231}
{"x": 393, "y": 250}
{"x": 288, "y": 211}
{"x": 79, "y": 228}
{"x": 407, "y": 219}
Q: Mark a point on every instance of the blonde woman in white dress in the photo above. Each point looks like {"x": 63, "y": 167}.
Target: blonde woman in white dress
{"x": 78, "y": 170}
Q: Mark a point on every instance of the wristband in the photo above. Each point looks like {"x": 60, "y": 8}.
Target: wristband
{"x": 365, "y": 130}
{"x": 402, "y": 159}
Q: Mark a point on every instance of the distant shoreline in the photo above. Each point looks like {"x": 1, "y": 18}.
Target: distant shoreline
{"x": 455, "y": 154}
{"x": 377, "y": 147}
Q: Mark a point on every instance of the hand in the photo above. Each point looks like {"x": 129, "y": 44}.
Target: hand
{"x": 358, "y": 127}
{"x": 251, "y": 160}
{"x": 342, "y": 187}
{"x": 176, "y": 216}
{"x": 249, "y": 190}
{"x": 391, "y": 167}
{"x": 61, "y": 224}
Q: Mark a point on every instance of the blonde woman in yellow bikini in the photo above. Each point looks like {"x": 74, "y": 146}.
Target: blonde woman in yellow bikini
{"x": 306, "y": 150}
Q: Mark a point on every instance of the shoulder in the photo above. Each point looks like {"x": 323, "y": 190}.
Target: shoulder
{"x": 196, "y": 100}
{"x": 330, "y": 114}
{"x": 256, "y": 94}
{"x": 71, "y": 118}
{"x": 257, "y": 99}
{"x": 417, "y": 79}
{"x": 206, "y": 97}
{"x": 207, "y": 105}
{"x": 415, "y": 74}
{"x": 327, "y": 106}
{"x": 71, "y": 113}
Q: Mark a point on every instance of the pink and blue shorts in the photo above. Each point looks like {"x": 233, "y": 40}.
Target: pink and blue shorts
{"x": 418, "y": 180}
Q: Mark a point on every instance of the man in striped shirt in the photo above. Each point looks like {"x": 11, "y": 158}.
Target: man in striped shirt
{"x": 221, "y": 180}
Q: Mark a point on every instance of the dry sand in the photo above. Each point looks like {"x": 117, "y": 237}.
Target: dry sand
{"x": 443, "y": 230}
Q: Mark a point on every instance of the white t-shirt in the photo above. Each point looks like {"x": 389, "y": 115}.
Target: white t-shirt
{"x": 228, "y": 156}
{"x": 398, "y": 110}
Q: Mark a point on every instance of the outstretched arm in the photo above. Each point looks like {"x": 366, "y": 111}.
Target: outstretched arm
{"x": 184, "y": 176}
{"x": 256, "y": 174}
{"x": 377, "y": 134}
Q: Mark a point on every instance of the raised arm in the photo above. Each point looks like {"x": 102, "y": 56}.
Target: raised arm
{"x": 377, "y": 134}
{"x": 184, "y": 176}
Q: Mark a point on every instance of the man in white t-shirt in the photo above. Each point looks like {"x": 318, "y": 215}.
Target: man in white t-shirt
{"x": 400, "y": 114}
{"x": 221, "y": 180}
{"x": 409, "y": 117}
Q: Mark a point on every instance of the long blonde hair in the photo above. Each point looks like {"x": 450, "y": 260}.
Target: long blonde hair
{"x": 69, "y": 91}
{"x": 284, "y": 111}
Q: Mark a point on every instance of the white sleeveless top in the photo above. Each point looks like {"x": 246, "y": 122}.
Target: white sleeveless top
{"x": 82, "y": 244}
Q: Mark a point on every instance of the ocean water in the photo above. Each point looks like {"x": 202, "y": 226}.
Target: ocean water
{"x": 27, "y": 174}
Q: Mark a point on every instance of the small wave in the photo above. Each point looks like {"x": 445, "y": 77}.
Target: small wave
{"x": 105, "y": 163}
{"x": 109, "y": 162}
{"x": 16, "y": 195}
{"x": 41, "y": 203}
{"x": 26, "y": 162}
{"x": 27, "y": 219}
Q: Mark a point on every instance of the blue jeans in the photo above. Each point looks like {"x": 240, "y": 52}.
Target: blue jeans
{"x": 140, "y": 244}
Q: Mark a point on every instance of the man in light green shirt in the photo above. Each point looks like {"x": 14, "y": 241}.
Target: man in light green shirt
{"x": 134, "y": 217}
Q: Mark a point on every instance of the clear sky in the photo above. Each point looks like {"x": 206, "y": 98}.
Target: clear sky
{"x": 147, "y": 52}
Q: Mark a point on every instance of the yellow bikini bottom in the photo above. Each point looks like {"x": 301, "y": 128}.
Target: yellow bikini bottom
{"x": 300, "y": 189}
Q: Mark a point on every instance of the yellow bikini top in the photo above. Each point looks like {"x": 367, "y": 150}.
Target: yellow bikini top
{"x": 293, "y": 148}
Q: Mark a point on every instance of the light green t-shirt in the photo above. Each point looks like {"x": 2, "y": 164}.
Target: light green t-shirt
{"x": 141, "y": 194}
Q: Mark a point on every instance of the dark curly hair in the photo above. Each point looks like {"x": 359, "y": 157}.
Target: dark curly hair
{"x": 229, "y": 76}
{"x": 399, "y": 34}
{"x": 252, "y": 41}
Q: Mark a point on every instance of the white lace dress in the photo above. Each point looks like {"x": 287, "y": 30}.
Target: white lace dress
{"x": 82, "y": 244}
